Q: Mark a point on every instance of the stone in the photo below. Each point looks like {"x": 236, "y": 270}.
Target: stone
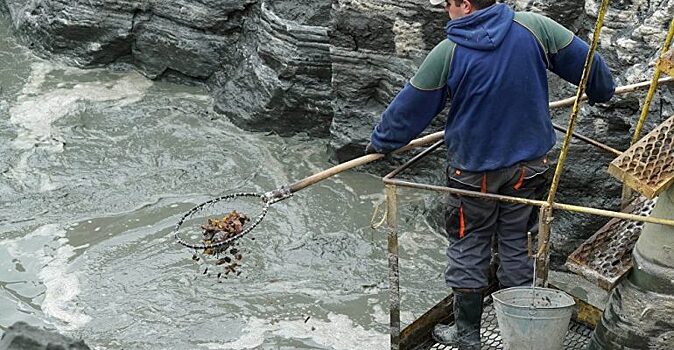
{"x": 159, "y": 47}
{"x": 21, "y": 336}
{"x": 282, "y": 84}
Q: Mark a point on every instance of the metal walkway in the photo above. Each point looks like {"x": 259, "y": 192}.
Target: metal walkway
{"x": 577, "y": 338}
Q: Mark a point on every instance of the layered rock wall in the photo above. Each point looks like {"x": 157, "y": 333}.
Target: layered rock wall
{"x": 283, "y": 82}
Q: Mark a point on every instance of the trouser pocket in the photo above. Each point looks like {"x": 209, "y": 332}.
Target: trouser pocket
{"x": 455, "y": 224}
{"x": 533, "y": 179}
{"x": 530, "y": 180}
{"x": 464, "y": 214}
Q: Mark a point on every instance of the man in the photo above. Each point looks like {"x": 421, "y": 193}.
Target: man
{"x": 493, "y": 66}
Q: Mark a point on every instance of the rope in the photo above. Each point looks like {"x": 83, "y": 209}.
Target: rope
{"x": 374, "y": 225}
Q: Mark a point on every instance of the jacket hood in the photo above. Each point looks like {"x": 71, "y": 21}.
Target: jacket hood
{"x": 482, "y": 30}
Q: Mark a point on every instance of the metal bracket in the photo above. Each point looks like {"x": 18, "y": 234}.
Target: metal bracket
{"x": 277, "y": 195}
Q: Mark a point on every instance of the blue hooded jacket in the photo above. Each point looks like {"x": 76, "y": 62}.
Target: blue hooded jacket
{"x": 493, "y": 66}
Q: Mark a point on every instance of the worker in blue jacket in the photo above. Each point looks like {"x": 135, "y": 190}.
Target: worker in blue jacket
{"x": 493, "y": 67}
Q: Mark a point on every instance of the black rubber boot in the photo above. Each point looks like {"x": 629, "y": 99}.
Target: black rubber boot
{"x": 465, "y": 333}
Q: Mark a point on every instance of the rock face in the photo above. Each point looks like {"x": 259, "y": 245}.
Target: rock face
{"x": 21, "y": 336}
{"x": 330, "y": 67}
{"x": 282, "y": 82}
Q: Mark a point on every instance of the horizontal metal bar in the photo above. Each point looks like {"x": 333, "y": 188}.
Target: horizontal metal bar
{"x": 561, "y": 206}
{"x": 415, "y": 159}
{"x": 589, "y": 140}
{"x": 468, "y": 193}
{"x": 644, "y": 85}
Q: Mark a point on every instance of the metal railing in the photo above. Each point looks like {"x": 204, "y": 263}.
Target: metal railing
{"x": 546, "y": 207}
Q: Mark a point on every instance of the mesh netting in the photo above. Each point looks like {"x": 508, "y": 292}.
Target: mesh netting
{"x": 213, "y": 228}
{"x": 190, "y": 232}
{"x": 577, "y": 338}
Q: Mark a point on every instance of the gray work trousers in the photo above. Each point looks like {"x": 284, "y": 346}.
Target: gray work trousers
{"x": 473, "y": 223}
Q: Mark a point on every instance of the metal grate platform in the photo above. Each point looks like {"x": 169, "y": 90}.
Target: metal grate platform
{"x": 577, "y": 338}
{"x": 607, "y": 256}
{"x": 648, "y": 166}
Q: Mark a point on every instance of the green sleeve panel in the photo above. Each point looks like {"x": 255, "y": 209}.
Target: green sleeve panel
{"x": 433, "y": 72}
{"x": 550, "y": 34}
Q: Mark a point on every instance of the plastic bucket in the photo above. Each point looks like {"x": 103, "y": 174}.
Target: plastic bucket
{"x": 533, "y": 318}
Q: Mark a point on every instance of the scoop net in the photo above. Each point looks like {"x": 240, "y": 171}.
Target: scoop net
{"x": 216, "y": 224}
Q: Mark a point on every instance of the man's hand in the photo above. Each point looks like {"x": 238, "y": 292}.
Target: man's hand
{"x": 369, "y": 149}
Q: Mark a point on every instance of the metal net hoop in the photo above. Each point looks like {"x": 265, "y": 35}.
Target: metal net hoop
{"x": 264, "y": 208}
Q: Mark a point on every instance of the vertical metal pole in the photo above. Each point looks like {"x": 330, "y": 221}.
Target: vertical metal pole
{"x": 546, "y": 216}
{"x": 393, "y": 269}
{"x": 627, "y": 192}
{"x": 543, "y": 254}
{"x": 654, "y": 85}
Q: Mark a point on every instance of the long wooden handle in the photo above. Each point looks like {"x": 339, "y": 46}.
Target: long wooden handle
{"x": 619, "y": 90}
{"x": 431, "y": 138}
{"x": 422, "y": 141}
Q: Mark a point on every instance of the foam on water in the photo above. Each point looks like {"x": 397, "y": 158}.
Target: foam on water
{"x": 39, "y": 106}
{"x": 62, "y": 287}
{"x": 338, "y": 332}
{"x": 36, "y": 110}
{"x": 50, "y": 263}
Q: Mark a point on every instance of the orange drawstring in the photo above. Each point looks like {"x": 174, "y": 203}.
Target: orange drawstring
{"x": 520, "y": 182}
{"x": 462, "y": 223}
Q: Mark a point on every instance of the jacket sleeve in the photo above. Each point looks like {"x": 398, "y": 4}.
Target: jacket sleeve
{"x": 566, "y": 55}
{"x": 568, "y": 63}
{"x": 417, "y": 103}
{"x": 406, "y": 117}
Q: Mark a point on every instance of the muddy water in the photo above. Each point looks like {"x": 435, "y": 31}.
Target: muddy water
{"x": 96, "y": 167}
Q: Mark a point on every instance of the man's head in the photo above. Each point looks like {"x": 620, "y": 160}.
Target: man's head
{"x": 459, "y": 8}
